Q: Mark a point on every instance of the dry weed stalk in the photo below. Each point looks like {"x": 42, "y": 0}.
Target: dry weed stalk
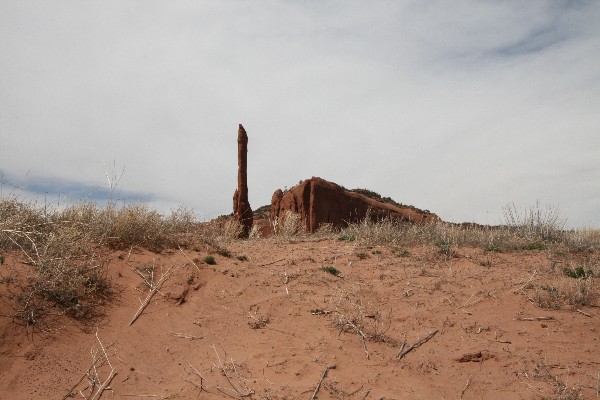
{"x": 153, "y": 289}
{"x": 240, "y": 389}
{"x": 96, "y": 386}
{"x": 353, "y": 313}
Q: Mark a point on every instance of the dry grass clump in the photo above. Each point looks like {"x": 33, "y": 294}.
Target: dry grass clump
{"x": 535, "y": 229}
{"x": 65, "y": 249}
{"x": 567, "y": 292}
{"x": 288, "y": 225}
{"x": 222, "y": 229}
{"x": 356, "y": 314}
{"x": 582, "y": 240}
{"x": 24, "y": 225}
{"x": 537, "y": 223}
{"x": 575, "y": 285}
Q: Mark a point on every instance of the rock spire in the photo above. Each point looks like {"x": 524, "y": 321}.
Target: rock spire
{"x": 241, "y": 207}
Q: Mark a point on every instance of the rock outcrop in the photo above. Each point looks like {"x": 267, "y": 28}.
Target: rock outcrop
{"x": 321, "y": 202}
{"x": 242, "y": 211}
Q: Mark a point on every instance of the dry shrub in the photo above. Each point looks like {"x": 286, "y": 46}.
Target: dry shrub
{"x": 80, "y": 291}
{"x": 537, "y": 222}
{"x": 255, "y": 232}
{"x": 288, "y": 225}
{"x": 563, "y": 291}
{"x": 223, "y": 229}
{"x": 562, "y": 391}
{"x": 355, "y": 313}
{"x": 65, "y": 249}
{"x": 582, "y": 240}
{"x": 325, "y": 230}
{"x": 535, "y": 233}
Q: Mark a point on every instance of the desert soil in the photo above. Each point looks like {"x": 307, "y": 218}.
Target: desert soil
{"x": 268, "y": 322}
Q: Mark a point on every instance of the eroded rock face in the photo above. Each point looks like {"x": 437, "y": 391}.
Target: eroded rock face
{"x": 321, "y": 202}
{"x": 241, "y": 206}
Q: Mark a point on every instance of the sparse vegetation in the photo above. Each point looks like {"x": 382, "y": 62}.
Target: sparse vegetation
{"x": 535, "y": 233}
{"x": 65, "y": 249}
{"x": 288, "y": 225}
{"x": 65, "y": 255}
{"x": 210, "y": 260}
{"x": 222, "y": 251}
{"x": 346, "y": 238}
{"x": 578, "y": 272}
{"x": 376, "y": 196}
{"x": 332, "y": 270}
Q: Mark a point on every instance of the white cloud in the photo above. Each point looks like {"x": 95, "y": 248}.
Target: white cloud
{"x": 458, "y": 107}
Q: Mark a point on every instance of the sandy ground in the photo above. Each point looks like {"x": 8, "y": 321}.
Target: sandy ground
{"x": 269, "y": 323}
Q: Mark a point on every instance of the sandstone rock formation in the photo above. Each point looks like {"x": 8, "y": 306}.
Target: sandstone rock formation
{"x": 241, "y": 207}
{"x": 321, "y": 202}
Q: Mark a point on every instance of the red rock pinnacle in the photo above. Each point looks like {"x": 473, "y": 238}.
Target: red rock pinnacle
{"x": 241, "y": 207}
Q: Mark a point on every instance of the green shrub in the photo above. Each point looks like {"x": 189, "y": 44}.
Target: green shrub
{"x": 332, "y": 270}
{"x": 210, "y": 260}
{"x": 346, "y": 238}
{"x": 578, "y": 272}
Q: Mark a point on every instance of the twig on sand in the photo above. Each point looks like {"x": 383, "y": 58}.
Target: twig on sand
{"x": 95, "y": 360}
{"x": 104, "y": 385}
{"x": 366, "y": 394}
{"x": 323, "y": 375}
{"x": 248, "y": 393}
{"x": 526, "y": 283}
{"x": 272, "y": 262}
{"x": 584, "y": 313}
{"x": 188, "y": 257}
{"x": 112, "y": 374}
{"x": 466, "y": 387}
{"x": 69, "y": 393}
{"x": 198, "y": 374}
{"x": 184, "y": 336}
{"x": 362, "y": 337}
{"x": 536, "y": 319}
{"x": 410, "y": 348}
{"x": 152, "y": 292}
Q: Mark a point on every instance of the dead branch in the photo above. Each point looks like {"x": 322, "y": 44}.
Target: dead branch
{"x": 323, "y": 375}
{"x": 184, "y": 336}
{"x": 536, "y": 319}
{"x": 272, "y": 262}
{"x": 584, "y": 313}
{"x": 366, "y": 394}
{"x": 198, "y": 374}
{"x": 112, "y": 374}
{"x": 192, "y": 261}
{"x": 81, "y": 379}
{"x": 466, "y": 387}
{"x": 152, "y": 292}
{"x": 362, "y": 337}
{"x": 526, "y": 283}
{"x": 104, "y": 385}
{"x": 415, "y": 345}
{"x": 224, "y": 372}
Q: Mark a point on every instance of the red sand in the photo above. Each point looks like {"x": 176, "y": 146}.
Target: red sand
{"x": 273, "y": 323}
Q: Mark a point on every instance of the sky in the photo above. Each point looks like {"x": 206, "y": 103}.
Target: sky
{"x": 458, "y": 107}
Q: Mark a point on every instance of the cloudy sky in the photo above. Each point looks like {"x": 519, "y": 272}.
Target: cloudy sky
{"x": 459, "y": 107}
